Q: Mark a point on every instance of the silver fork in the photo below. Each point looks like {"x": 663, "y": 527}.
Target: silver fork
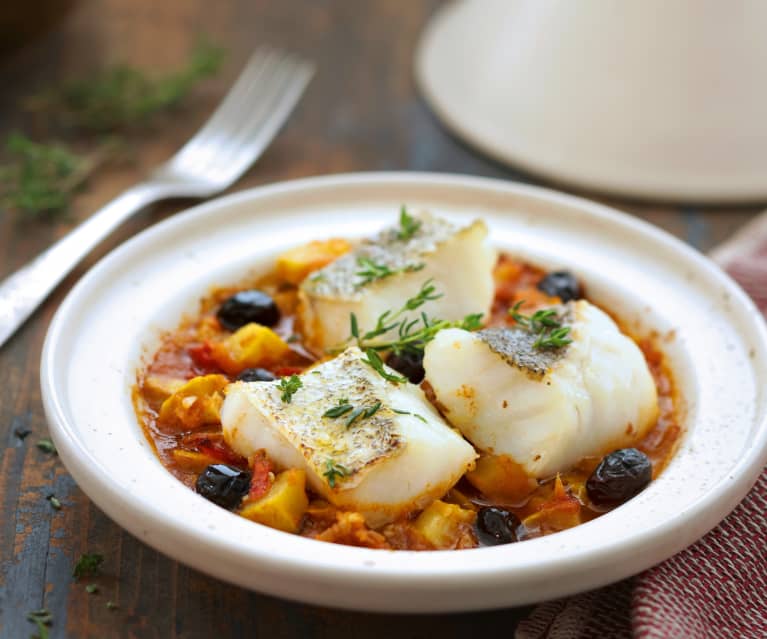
{"x": 232, "y": 139}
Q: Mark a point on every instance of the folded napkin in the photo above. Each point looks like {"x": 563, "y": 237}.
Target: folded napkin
{"x": 713, "y": 589}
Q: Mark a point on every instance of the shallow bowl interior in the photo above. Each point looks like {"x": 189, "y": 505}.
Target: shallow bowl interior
{"x": 713, "y": 335}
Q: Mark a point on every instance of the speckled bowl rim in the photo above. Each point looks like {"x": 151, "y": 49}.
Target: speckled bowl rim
{"x": 212, "y": 540}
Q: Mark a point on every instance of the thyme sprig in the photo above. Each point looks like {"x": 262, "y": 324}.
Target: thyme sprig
{"x": 544, "y": 323}
{"x": 41, "y": 179}
{"x": 371, "y": 271}
{"x": 412, "y": 334}
{"x": 344, "y": 407}
{"x": 42, "y": 619}
{"x": 408, "y": 225}
{"x": 333, "y": 471}
{"x": 376, "y": 363}
{"x": 120, "y": 97}
{"x": 89, "y": 565}
{"x": 289, "y": 386}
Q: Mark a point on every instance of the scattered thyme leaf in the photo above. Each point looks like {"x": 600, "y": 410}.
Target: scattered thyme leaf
{"x": 121, "y": 96}
{"x": 55, "y": 503}
{"x": 47, "y": 446}
{"x": 42, "y": 619}
{"x": 289, "y": 386}
{"x": 91, "y": 589}
{"x": 333, "y": 471}
{"x": 111, "y": 605}
{"x": 416, "y": 415}
{"x": 89, "y": 565}
{"x": 408, "y": 225}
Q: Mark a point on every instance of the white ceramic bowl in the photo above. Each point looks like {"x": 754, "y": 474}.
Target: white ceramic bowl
{"x": 114, "y": 316}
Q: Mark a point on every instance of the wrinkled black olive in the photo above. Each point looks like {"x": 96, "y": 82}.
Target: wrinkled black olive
{"x": 620, "y": 476}
{"x": 561, "y": 284}
{"x": 256, "y": 375}
{"x": 409, "y": 364}
{"x": 223, "y": 485}
{"x": 246, "y": 307}
{"x": 496, "y": 526}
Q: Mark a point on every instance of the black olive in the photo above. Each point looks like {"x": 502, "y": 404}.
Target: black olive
{"x": 620, "y": 476}
{"x": 409, "y": 364}
{"x": 561, "y": 284}
{"x": 223, "y": 485}
{"x": 496, "y": 526}
{"x": 256, "y": 375}
{"x": 246, "y": 307}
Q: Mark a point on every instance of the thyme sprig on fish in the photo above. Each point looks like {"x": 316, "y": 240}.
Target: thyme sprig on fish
{"x": 544, "y": 323}
{"x": 376, "y": 363}
{"x": 412, "y": 333}
{"x": 371, "y": 271}
{"x": 408, "y": 225}
{"x": 334, "y": 471}
{"x": 289, "y": 386}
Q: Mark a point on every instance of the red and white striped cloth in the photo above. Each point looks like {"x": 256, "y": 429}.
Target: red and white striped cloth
{"x": 714, "y": 589}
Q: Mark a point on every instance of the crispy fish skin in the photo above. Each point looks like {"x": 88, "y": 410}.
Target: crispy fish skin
{"x": 458, "y": 260}
{"x": 394, "y": 461}
{"x": 544, "y": 408}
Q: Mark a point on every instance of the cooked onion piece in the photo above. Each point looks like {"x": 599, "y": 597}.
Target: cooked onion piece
{"x": 366, "y": 443}
{"x": 381, "y": 273}
{"x": 544, "y": 407}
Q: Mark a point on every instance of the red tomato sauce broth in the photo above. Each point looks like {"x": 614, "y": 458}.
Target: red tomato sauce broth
{"x": 552, "y": 505}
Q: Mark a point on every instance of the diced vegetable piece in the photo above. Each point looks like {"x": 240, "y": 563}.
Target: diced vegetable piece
{"x": 295, "y": 264}
{"x": 284, "y": 505}
{"x": 158, "y": 388}
{"x": 251, "y": 346}
{"x": 195, "y": 404}
{"x": 192, "y": 461}
{"x": 560, "y": 512}
{"x": 500, "y": 477}
{"x": 444, "y": 525}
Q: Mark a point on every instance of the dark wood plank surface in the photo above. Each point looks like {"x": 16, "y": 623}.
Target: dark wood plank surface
{"x": 361, "y": 112}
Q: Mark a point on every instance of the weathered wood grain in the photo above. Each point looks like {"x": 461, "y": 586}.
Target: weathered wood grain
{"x": 360, "y": 113}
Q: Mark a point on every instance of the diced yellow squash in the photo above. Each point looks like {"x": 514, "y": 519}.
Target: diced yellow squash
{"x": 251, "y": 346}
{"x": 444, "y": 524}
{"x": 284, "y": 505}
{"x": 158, "y": 388}
{"x": 196, "y": 403}
{"x": 295, "y": 264}
{"x": 501, "y": 477}
{"x": 192, "y": 461}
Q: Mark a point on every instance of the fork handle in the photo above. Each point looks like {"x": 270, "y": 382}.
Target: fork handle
{"x": 23, "y": 291}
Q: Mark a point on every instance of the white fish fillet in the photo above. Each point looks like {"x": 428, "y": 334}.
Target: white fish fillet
{"x": 397, "y": 460}
{"x": 458, "y": 260}
{"x": 546, "y": 409}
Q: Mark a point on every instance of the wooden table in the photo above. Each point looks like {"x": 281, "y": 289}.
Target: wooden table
{"x": 361, "y": 113}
